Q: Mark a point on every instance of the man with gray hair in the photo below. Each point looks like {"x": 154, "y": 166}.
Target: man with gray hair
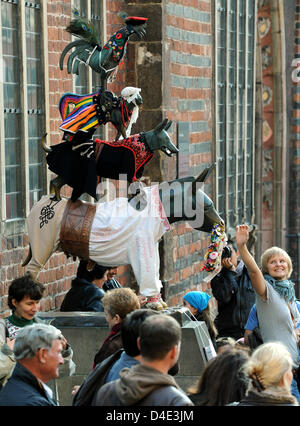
{"x": 38, "y": 355}
{"x": 148, "y": 383}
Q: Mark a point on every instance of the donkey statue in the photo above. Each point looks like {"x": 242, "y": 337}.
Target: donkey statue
{"x": 79, "y": 164}
{"x": 119, "y": 232}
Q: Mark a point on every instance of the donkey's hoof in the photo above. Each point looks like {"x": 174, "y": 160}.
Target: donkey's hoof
{"x": 56, "y": 193}
{"x": 154, "y": 306}
{"x": 156, "y": 303}
{"x": 56, "y": 197}
{"x": 55, "y": 187}
{"x": 164, "y": 305}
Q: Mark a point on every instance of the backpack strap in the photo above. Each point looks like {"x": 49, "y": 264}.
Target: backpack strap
{"x": 85, "y": 394}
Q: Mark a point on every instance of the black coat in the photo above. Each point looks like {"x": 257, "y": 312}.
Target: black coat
{"x": 23, "y": 389}
{"x": 83, "y": 296}
{"x": 268, "y": 397}
{"x": 235, "y": 296}
{"x": 111, "y": 344}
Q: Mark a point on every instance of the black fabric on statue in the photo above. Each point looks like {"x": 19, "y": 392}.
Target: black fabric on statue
{"x": 79, "y": 172}
{"x": 114, "y": 161}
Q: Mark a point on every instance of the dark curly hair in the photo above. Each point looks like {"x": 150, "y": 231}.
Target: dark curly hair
{"x": 22, "y": 287}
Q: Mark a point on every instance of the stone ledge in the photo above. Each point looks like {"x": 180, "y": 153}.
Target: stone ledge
{"x": 97, "y": 319}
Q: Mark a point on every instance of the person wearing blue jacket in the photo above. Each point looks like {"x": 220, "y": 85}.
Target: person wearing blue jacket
{"x": 38, "y": 354}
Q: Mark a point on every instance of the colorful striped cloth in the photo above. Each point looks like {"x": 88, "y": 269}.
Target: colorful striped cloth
{"x": 82, "y": 116}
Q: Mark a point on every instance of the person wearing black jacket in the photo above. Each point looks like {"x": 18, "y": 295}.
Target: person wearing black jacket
{"x": 234, "y": 293}
{"x": 85, "y": 295}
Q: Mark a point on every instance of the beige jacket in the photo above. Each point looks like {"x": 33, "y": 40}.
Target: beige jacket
{"x": 7, "y": 359}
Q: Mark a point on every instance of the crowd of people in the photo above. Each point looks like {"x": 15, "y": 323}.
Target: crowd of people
{"x": 254, "y": 336}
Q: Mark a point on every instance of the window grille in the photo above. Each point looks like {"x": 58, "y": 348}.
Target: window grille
{"x": 22, "y": 107}
{"x": 35, "y": 101}
{"x": 11, "y": 108}
{"x": 81, "y": 84}
{"x": 235, "y": 113}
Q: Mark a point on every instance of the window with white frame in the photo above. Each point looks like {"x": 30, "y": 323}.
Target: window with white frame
{"x": 22, "y": 108}
{"x": 23, "y": 104}
{"x": 235, "y": 24}
{"x": 35, "y": 101}
{"x": 12, "y": 108}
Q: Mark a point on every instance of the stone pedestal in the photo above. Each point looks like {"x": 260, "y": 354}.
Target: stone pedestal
{"x": 85, "y": 332}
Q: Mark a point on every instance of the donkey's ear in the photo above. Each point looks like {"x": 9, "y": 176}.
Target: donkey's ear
{"x": 206, "y": 172}
{"x": 161, "y": 126}
{"x": 169, "y": 124}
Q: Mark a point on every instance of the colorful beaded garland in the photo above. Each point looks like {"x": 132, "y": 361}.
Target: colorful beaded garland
{"x": 213, "y": 255}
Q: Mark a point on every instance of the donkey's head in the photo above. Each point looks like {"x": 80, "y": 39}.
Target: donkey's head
{"x": 158, "y": 138}
{"x": 138, "y": 100}
{"x": 185, "y": 199}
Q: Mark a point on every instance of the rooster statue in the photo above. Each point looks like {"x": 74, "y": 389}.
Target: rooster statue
{"x": 88, "y": 50}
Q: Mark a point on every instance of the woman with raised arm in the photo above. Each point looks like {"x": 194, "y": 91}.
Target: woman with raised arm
{"x": 275, "y": 296}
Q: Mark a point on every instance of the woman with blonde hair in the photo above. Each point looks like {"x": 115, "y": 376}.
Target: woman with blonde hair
{"x": 275, "y": 296}
{"x": 270, "y": 372}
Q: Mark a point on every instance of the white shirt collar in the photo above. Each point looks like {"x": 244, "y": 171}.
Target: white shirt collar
{"x": 47, "y": 389}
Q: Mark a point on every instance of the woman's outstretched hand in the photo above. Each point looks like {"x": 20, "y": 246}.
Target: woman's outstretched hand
{"x": 256, "y": 277}
{"x": 242, "y": 235}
